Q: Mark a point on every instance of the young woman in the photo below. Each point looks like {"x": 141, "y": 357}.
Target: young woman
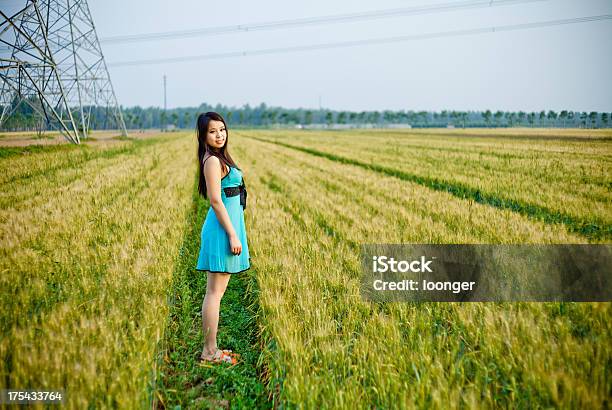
{"x": 223, "y": 248}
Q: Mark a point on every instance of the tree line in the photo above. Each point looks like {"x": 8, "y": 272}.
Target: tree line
{"x": 24, "y": 118}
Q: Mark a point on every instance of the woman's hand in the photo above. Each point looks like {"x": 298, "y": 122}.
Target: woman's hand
{"x": 235, "y": 245}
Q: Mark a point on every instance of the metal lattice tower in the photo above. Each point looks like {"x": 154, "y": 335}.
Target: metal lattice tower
{"x": 54, "y": 63}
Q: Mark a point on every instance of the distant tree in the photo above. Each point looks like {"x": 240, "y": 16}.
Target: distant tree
{"x": 552, "y": 116}
{"x": 129, "y": 119}
{"x": 142, "y": 118}
{"x": 487, "y": 117}
{"x": 272, "y": 114}
{"x": 593, "y": 118}
{"x": 570, "y": 117}
{"x": 40, "y": 127}
{"x": 542, "y": 117}
{"x": 510, "y": 118}
{"x": 329, "y": 118}
{"x": 137, "y": 117}
{"x": 444, "y": 115}
{"x": 375, "y": 117}
{"x": 424, "y": 115}
{"x": 412, "y": 117}
{"x": 583, "y": 118}
{"x": 562, "y": 117}
{"x": 498, "y": 116}
{"x": 463, "y": 115}
{"x": 308, "y": 117}
{"x": 531, "y": 118}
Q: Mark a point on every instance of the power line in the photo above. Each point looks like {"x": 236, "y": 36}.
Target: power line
{"x": 308, "y": 21}
{"x": 384, "y": 40}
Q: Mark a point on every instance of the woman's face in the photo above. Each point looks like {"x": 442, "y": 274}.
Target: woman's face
{"x": 216, "y": 135}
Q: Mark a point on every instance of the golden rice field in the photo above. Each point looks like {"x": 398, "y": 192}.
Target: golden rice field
{"x": 90, "y": 241}
{"x": 89, "y": 238}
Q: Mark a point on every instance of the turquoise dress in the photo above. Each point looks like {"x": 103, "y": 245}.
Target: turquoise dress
{"x": 215, "y": 253}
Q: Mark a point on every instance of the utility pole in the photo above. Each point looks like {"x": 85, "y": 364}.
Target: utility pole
{"x": 54, "y": 63}
{"x": 165, "y": 112}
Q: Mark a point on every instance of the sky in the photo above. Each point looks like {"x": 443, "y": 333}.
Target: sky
{"x": 558, "y": 67}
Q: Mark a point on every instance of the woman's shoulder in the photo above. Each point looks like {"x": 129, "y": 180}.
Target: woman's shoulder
{"x": 213, "y": 161}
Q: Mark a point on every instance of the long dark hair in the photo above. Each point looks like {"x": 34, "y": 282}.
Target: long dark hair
{"x": 203, "y": 148}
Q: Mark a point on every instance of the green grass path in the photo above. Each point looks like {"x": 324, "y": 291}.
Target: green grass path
{"x": 180, "y": 381}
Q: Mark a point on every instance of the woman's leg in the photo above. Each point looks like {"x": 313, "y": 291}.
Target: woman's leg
{"x": 215, "y": 288}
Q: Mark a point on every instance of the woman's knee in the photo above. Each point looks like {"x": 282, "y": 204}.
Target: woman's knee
{"x": 216, "y": 285}
{"x": 214, "y": 293}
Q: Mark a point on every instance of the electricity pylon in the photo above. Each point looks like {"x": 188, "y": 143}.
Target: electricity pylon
{"x": 56, "y": 66}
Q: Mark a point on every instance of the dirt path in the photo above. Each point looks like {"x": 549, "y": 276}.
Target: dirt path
{"x": 103, "y": 137}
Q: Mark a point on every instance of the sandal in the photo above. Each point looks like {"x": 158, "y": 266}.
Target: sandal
{"x": 221, "y": 356}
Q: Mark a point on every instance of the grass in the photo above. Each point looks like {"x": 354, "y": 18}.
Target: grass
{"x": 7, "y": 152}
{"x": 551, "y": 177}
{"x": 331, "y": 349}
{"x": 590, "y": 228}
{"x": 86, "y": 262}
{"x": 33, "y": 161}
{"x": 100, "y": 295}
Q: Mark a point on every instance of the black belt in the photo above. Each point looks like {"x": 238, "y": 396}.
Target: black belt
{"x": 237, "y": 190}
